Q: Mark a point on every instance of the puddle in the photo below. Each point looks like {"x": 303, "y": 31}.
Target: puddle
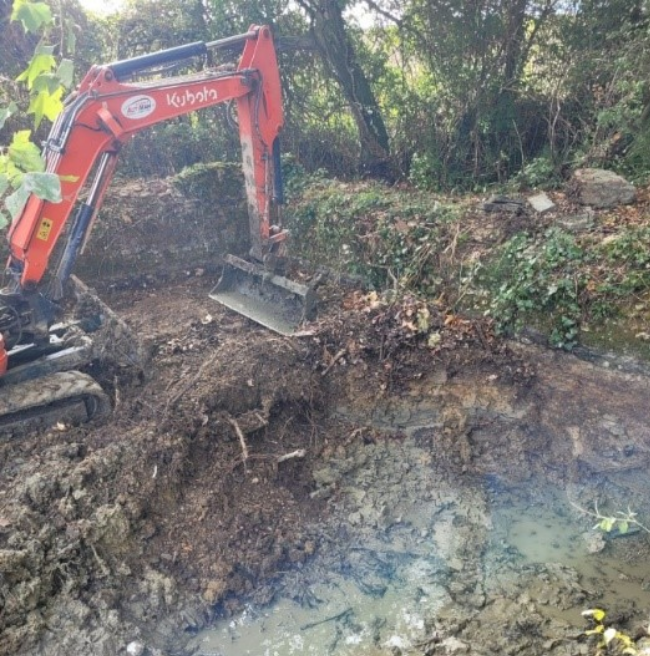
{"x": 414, "y": 550}
{"x": 618, "y": 575}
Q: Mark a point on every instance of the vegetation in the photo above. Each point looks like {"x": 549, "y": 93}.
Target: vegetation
{"x": 46, "y": 77}
{"x": 544, "y": 85}
{"x": 621, "y": 521}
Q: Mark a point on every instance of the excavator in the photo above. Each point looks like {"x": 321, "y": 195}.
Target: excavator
{"x": 41, "y": 355}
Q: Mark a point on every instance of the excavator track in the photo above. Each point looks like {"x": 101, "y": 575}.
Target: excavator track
{"x": 68, "y": 397}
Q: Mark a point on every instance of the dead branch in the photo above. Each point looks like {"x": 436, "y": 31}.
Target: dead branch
{"x": 298, "y": 453}
{"x": 240, "y": 435}
{"x": 335, "y": 359}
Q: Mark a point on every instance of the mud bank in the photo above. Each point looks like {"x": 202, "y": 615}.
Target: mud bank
{"x": 244, "y": 467}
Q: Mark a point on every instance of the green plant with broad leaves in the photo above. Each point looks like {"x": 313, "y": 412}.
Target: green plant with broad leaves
{"x": 46, "y": 78}
{"x": 622, "y": 521}
{"x": 539, "y": 276}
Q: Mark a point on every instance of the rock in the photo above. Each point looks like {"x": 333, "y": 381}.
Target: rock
{"x": 600, "y": 188}
{"x": 577, "y": 222}
{"x": 541, "y": 203}
{"x": 503, "y": 204}
{"x": 453, "y": 645}
{"x": 135, "y": 648}
{"x": 595, "y": 541}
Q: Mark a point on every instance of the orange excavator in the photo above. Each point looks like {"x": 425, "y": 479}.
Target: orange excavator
{"x": 40, "y": 356}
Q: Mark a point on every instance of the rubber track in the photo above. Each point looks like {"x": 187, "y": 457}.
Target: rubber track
{"x": 48, "y": 392}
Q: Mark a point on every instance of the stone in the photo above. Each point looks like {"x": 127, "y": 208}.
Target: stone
{"x": 601, "y": 189}
{"x": 453, "y": 645}
{"x": 595, "y": 541}
{"x": 576, "y": 223}
{"x": 541, "y": 203}
{"x": 135, "y": 648}
{"x": 503, "y": 204}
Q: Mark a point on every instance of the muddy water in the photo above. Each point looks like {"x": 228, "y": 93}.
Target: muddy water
{"x": 419, "y": 555}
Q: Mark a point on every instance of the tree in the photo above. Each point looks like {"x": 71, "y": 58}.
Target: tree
{"x": 337, "y": 49}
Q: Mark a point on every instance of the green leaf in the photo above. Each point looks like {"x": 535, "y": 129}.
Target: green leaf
{"x": 4, "y": 220}
{"x": 16, "y": 202}
{"x": 39, "y": 64}
{"x": 623, "y": 526}
{"x": 44, "y": 49}
{"x": 9, "y": 170}
{"x": 599, "y": 629}
{"x": 45, "y": 185}
{"x": 65, "y": 72}
{"x": 33, "y": 15}
{"x": 25, "y": 154}
{"x": 6, "y": 112}
{"x": 46, "y": 104}
{"x": 607, "y": 524}
{"x": 48, "y": 82}
{"x": 4, "y": 183}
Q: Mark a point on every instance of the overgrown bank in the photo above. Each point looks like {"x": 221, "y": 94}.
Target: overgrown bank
{"x": 580, "y": 276}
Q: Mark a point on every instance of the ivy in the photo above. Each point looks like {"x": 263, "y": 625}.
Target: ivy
{"x": 539, "y": 276}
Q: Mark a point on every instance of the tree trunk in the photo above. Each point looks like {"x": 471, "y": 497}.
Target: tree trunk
{"x": 337, "y": 50}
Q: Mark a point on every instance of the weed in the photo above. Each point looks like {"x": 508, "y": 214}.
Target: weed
{"x": 539, "y": 276}
{"x": 540, "y": 172}
{"x": 620, "y": 520}
{"x": 391, "y": 238}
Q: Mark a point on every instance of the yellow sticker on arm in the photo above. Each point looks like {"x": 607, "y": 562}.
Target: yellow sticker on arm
{"x": 44, "y": 230}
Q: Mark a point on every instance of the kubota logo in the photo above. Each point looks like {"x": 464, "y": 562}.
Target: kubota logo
{"x": 138, "y": 107}
{"x": 190, "y": 98}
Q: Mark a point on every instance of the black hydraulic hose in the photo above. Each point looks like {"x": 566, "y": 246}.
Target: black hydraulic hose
{"x": 75, "y": 241}
{"x": 126, "y": 67}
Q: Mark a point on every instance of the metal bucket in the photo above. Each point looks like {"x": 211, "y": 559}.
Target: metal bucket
{"x": 272, "y": 301}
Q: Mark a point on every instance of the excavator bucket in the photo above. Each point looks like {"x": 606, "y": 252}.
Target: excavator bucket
{"x": 268, "y": 299}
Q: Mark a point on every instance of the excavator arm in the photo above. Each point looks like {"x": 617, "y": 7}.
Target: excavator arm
{"x": 110, "y": 106}
{"x": 107, "y": 110}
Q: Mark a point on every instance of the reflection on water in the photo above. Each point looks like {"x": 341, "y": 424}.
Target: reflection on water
{"x": 347, "y": 614}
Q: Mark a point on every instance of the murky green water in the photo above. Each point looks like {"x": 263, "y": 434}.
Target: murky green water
{"x": 425, "y": 559}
